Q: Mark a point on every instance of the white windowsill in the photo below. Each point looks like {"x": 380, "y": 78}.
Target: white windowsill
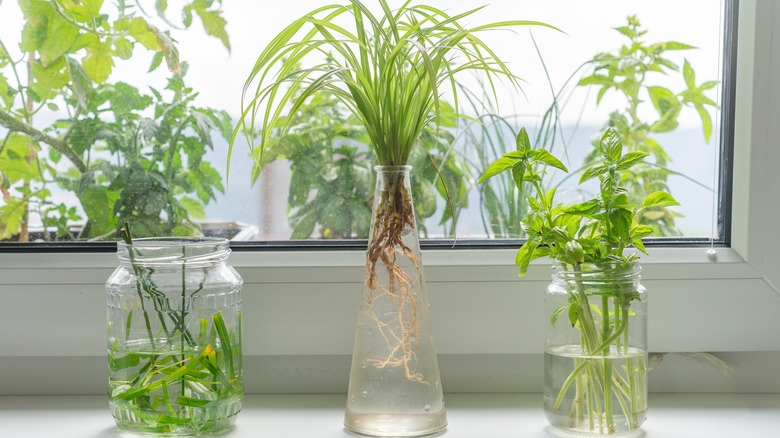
{"x": 470, "y": 415}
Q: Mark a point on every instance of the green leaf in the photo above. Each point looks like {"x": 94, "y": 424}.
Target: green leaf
{"x": 124, "y": 48}
{"x": 497, "y": 167}
{"x": 525, "y": 255}
{"x": 98, "y": 207}
{"x": 81, "y": 85}
{"x": 98, "y": 62}
{"x": 156, "y": 61}
{"x": 573, "y": 252}
{"x": 425, "y": 199}
{"x": 659, "y": 96}
{"x": 638, "y": 244}
{"x": 548, "y": 198}
{"x": 674, "y": 45}
{"x": 213, "y": 23}
{"x": 640, "y": 231}
{"x": 689, "y": 75}
{"x": 93, "y": 6}
{"x": 621, "y": 218}
{"x": 659, "y": 199}
{"x": 611, "y": 145}
{"x": 519, "y": 174}
{"x": 140, "y": 30}
{"x": 533, "y": 203}
{"x": 161, "y": 6}
{"x": 523, "y": 142}
{"x": 708, "y": 85}
{"x": 593, "y": 172}
{"x": 60, "y": 35}
{"x": 587, "y": 208}
{"x": 706, "y": 121}
{"x": 186, "y": 16}
{"x": 630, "y": 159}
{"x": 541, "y": 156}
{"x": 557, "y": 314}
{"x": 194, "y": 208}
{"x": 305, "y": 227}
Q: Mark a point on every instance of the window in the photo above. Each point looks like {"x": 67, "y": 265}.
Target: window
{"x": 302, "y": 302}
{"x": 67, "y": 203}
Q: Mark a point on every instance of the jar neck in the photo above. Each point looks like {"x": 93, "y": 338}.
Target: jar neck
{"x": 173, "y": 251}
{"x": 592, "y": 273}
{"x": 390, "y": 170}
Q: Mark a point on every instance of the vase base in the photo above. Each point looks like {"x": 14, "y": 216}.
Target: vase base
{"x": 396, "y": 425}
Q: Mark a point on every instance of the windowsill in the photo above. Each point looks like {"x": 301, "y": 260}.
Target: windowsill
{"x": 470, "y": 415}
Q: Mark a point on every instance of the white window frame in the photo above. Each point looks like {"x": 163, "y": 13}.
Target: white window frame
{"x": 305, "y": 302}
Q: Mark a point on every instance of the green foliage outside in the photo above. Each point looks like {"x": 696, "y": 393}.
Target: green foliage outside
{"x": 129, "y": 155}
{"x": 332, "y": 178}
{"x": 630, "y": 72}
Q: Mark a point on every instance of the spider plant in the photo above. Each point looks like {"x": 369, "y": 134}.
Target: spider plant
{"x": 389, "y": 69}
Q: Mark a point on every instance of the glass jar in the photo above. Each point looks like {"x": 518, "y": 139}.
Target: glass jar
{"x": 174, "y": 337}
{"x": 394, "y": 383}
{"x": 596, "y": 355}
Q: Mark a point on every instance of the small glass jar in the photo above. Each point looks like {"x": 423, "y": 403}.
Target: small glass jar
{"x": 174, "y": 337}
{"x": 596, "y": 354}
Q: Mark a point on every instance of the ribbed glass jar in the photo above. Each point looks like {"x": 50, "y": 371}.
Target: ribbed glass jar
{"x": 174, "y": 337}
{"x": 596, "y": 354}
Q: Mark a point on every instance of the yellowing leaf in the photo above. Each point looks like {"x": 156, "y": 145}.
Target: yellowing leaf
{"x": 60, "y": 36}
{"x": 98, "y": 62}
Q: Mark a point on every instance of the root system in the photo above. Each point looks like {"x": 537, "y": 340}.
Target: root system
{"x": 399, "y": 327}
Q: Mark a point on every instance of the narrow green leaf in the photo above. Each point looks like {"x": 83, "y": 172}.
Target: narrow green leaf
{"x": 674, "y": 45}
{"x": 191, "y": 402}
{"x": 225, "y": 344}
{"x": 557, "y": 314}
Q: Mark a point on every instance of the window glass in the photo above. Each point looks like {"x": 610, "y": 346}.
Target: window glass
{"x": 95, "y": 130}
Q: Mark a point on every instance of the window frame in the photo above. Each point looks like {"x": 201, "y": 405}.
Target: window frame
{"x": 701, "y": 298}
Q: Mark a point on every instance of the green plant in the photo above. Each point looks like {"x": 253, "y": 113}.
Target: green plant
{"x": 164, "y": 377}
{"x": 628, "y": 72}
{"x": 69, "y": 52}
{"x": 596, "y": 232}
{"x": 389, "y": 70}
{"x": 331, "y": 172}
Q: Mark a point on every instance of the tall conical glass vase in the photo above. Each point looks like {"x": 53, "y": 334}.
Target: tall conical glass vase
{"x": 394, "y": 385}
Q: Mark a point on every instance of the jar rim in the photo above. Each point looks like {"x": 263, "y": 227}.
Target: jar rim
{"x": 174, "y": 251}
{"x": 173, "y": 241}
{"x": 387, "y": 169}
{"x": 610, "y": 270}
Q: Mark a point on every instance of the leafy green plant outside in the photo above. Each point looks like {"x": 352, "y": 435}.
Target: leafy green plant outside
{"x": 628, "y": 73}
{"x": 110, "y": 143}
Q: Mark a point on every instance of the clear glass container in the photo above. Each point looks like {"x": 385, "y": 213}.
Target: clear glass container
{"x": 174, "y": 337}
{"x": 394, "y": 384}
{"x": 596, "y": 356}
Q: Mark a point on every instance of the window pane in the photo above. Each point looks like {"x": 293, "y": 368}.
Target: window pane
{"x": 152, "y": 147}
